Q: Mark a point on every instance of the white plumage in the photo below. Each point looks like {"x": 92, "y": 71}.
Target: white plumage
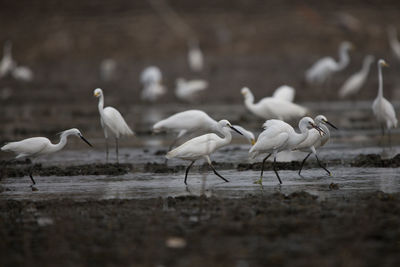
{"x": 354, "y": 83}
{"x": 22, "y": 73}
{"x": 284, "y": 92}
{"x": 188, "y": 90}
{"x": 111, "y": 121}
{"x": 247, "y": 134}
{"x": 324, "y": 68}
{"x": 382, "y": 108}
{"x": 7, "y": 64}
{"x": 278, "y": 136}
{"x": 195, "y": 57}
{"x": 151, "y": 79}
{"x": 394, "y": 42}
{"x": 272, "y": 108}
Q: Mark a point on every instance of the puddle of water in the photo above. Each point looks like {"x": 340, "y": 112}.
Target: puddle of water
{"x": 148, "y": 185}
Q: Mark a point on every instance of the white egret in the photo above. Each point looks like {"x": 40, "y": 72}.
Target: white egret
{"x": 188, "y": 90}
{"x": 111, "y": 121}
{"x": 247, "y": 134}
{"x": 7, "y": 64}
{"x": 151, "y": 79}
{"x": 108, "y": 69}
{"x": 195, "y": 56}
{"x": 354, "y": 83}
{"x": 284, "y": 92}
{"x": 202, "y": 146}
{"x": 38, "y": 146}
{"x": 278, "y": 136}
{"x": 324, "y": 68}
{"x": 383, "y": 110}
{"x": 272, "y": 108}
{"x": 314, "y": 140}
{"x": 22, "y": 73}
{"x": 393, "y": 41}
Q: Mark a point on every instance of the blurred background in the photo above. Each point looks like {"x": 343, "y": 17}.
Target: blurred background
{"x": 259, "y": 44}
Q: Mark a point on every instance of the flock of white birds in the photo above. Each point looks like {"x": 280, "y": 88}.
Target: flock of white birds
{"x": 277, "y": 135}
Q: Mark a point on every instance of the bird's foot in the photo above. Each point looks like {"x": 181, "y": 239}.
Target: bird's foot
{"x": 259, "y": 181}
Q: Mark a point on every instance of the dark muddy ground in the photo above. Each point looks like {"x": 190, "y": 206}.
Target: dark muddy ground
{"x": 256, "y": 230}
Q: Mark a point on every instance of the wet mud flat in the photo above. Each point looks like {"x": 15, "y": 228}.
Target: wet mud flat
{"x": 298, "y": 229}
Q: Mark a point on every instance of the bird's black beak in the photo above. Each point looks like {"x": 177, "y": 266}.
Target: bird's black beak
{"x": 86, "y": 141}
{"x": 236, "y": 130}
{"x": 330, "y": 124}
{"x": 321, "y": 132}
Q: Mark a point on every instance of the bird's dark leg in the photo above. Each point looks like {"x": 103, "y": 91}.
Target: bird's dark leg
{"x": 304, "y": 161}
{"x": 382, "y": 134}
{"x": 116, "y": 148}
{"x": 390, "y": 138}
{"x": 262, "y": 170}
{"x": 216, "y": 173}
{"x": 276, "y": 172}
{"x": 30, "y": 174}
{"x": 106, "y": 149}
{"x": 319, "y": 163}
{"x": 187, "y": 171}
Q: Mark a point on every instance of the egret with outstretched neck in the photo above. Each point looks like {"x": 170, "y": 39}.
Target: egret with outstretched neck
{"x": 315, "y": 140}
{"x": 278, "y": 136}
{"x": 202, "y": 146}
{"x": 382, "y": 108}
{"x": 38, "y": 146}
{"x": 112, "y": 122}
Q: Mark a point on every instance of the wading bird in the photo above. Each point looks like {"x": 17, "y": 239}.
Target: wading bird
{"x": 7, "y": 64}
{"x": 151, "y": 79}
{"x": 278, "y": 136}
{"x": 322, "y": 70}
{"x": 284, "y": 92}
{"x": 111, "y": 121}
{"x": 383, "y": 110}
{"x": 354, "y": 83}
{"x": 393, "y": 41}
{"x": 38, "y": 146}
{"x": 188, "y": 90}
{"x": 202, "y": 146}
{"x": 314, "y": 140}
{"x": 272, "y": 108}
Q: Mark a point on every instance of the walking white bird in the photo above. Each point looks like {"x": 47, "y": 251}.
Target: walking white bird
{"x": 38, "y": 146}
{"x": 151, "y": 79}
{"x": 278, "y": 136}
{"x": 383, "y": 110}
{"x": 272, "y": 108}
{"x": 195, "y": 56}
{"x": 284, "y": 92}
{"x": 393, "y": 41}
{"x": 111, "y": 121}
{"x": 354, "y": 83}
{"x": 324, "y": 68}
{"x": 202, "y": 146}
{"x": 7, "y": 64}
{"x": 314, "y": 140}
{"x": 188, "y": 90}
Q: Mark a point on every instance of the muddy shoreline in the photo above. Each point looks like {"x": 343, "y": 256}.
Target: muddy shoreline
{"x": 264, "y": 229}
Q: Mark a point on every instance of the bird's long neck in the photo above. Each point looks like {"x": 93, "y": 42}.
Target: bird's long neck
{"x": 61, "y": 144}
{"x": 297, "y": 138}
{"x": 101, "y": 104}
{"x": 227, "y": 137}
{"x": 343, "y": 58}
{"x": 380, "y": 90}
{"x": 249, "y": 100}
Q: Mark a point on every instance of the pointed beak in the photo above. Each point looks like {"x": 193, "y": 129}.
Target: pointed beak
{"x": 236, "y": 130}
{"x": 252, "y": 142}
{"x": 330, "y": 124}
{"x": 86, "y": 141}
{"x": 385, "y": 64}
{"x": 321, "y": 132}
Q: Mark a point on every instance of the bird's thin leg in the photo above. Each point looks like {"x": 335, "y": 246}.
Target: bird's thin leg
{"x": 214, "y": 170}
{"x": 382, "y": 134}
{"x": 116, "y": 148}
{"x": 262, "y": 170}
{"x": 106, "y": 149}
{"x": 30, "y": 174}
{"x": 390, "y": 138}
{"x": 187, "y": 171}
{"x": 319, "y": 163}
{"x": 304, "y": 161}
{"x": 276, "y": 172}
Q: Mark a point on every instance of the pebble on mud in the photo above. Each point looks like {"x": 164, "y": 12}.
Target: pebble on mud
{"x": 175, "y": 242}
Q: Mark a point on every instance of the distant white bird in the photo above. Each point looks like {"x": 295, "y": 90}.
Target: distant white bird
{"x": 111, "y": 121}
{"x": 278, "y": 136}
{"x": 247, "y": 134}
{"x": 188, "y": 90}
{"x": 284, "y": 92}
{"x": 38, "y": 146}
{"x": 314, "y": 140}
{"x": 393, "y": 41}
{"x": 195, "y": 56}
{"x": 22, "y": 73}
{"x": 202, "y": 146}
{"x": 7, "y": 64}
{"x": 324, "y": 68}
{"x": 383, "y": 110}
{"x": 108, "y": 68}
{"x": 151, "y": 79}
{"x": 354, "y": 83}
{"x": 272, "y": 108}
